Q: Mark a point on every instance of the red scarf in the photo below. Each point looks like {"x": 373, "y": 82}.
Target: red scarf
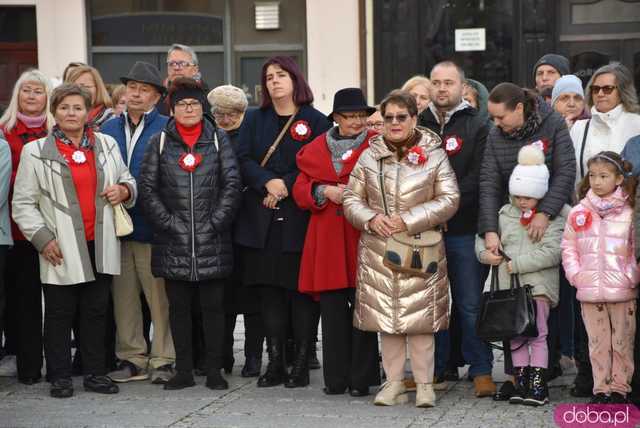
{"x": 191, "y": 134}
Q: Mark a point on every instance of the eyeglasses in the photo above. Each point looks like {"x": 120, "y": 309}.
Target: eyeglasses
{"x": 36, "y": 92}
{"x": 375, "y": 125}
{"x": 179, "y": 64}
{"x": 354, "y": 116}
{"x": 195, "y": 105}
{"x": 228, "y": 115}
{"x": 401, "y": 118}
{"x": 607, "y": 89}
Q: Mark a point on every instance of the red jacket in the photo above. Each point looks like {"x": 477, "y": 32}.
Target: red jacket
{"x": 17, "y": 138}
{"x": 330, "y": 253}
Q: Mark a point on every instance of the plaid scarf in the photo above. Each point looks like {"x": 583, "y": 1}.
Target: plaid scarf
{"x": 530, "y": 126}
{"x": 87, "y": 137}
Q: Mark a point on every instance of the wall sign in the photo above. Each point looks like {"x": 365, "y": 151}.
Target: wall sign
{"x": 470, "y": 39}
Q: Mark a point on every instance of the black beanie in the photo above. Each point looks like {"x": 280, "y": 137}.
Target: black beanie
{"x": 182, "y": 93}
{"x": 556, "y": 61}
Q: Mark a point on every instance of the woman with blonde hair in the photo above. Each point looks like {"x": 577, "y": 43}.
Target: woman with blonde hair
{"x": 418, "y": 86}
{"x": 26, "y": 119}
{"x": 90, "y": 80}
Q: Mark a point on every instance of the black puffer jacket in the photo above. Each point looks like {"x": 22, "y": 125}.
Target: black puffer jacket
{"x": 190, "y": 213}
{"x": 501, "y": 156}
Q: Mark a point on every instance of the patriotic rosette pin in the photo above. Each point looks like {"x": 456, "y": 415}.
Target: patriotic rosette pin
{"x": 581, "y": 220}
{"x": 452, "y": 144}
{"x": 416, "y": 156}
{"x": 78, "y": 157}
{"x": 527, "y": 216}
{"x": 300, "y": 130}
{"x": 542, "y": 144}
{"x": 190, "y": 161}
{"x": 347, "y": 155}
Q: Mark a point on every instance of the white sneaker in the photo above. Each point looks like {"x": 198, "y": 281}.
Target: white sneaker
{"x": 425, "y": 395}
{"x": 391, "y": 393}
{"x": 8, "y": 366}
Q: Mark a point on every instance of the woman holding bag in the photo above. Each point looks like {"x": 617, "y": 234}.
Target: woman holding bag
{"x": 402, "y": 183}
{"x": 270, "y": 226}
{"x": 65, "y": 188}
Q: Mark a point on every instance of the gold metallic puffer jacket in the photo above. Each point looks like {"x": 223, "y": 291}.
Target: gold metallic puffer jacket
{"x": 425, "y": 196}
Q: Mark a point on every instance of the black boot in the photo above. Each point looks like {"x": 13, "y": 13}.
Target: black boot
{"x": 216, "y": 381}
{"x": 181, "y": 380}
{"x": 228, "y": 363}
{"x": 538, "y": 394}
{"x": 583, "y": 383}
{"x": 313, "y": 357}
{"x": 521, "y": 383}
{"x": 289, "y": 352}
{"x": 300, "y": 371}
{"x": 252, "y": 366}
{"x": 276, "y": 373}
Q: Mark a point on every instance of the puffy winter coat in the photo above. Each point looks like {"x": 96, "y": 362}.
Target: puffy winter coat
{"x": 607, "y": 131}
{"x": 536, "y": 263}
{"x": 190, "y": 212}
{"x": 598, "y": 252}
{"x": 424, "y": 195}
{"x": 501, "y": 156}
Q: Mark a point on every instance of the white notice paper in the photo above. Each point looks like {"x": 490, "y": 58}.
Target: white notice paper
{"x": 470, "y": 39}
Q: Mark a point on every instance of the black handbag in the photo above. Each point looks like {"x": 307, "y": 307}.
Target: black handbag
{"x": 506, "y": 314}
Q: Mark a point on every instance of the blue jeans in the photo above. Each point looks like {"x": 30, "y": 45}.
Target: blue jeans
{"x": 466, "y": 276}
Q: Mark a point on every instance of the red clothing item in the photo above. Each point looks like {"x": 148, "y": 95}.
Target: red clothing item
{"x": 17, "y": 138}
{"x": 190, "y": 135}
{"x": 85, "y": 180}
{"x": 330, "y": 253}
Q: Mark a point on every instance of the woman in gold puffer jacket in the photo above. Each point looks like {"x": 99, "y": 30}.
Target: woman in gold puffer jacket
{"x": 421, "y": 194}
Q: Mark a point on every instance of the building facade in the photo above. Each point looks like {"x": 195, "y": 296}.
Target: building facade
{"x": 372, "y": 44}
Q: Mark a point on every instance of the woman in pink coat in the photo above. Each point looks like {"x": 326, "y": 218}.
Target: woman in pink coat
{"x": 598, "y": 258}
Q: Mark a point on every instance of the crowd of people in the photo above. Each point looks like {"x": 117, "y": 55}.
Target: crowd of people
{"x": 151, "y": 213}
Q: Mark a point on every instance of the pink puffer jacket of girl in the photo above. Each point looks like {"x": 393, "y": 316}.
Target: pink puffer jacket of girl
{"x": 598, "y": 249}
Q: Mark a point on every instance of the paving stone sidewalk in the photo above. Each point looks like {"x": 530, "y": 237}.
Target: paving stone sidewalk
{"x": 140, "y": 404}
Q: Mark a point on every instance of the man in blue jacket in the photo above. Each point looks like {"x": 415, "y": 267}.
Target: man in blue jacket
{"x": 132, "y": 130}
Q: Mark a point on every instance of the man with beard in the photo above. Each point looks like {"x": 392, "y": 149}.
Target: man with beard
{"x": 548, "y": 69}
{"x": 463, "y": 132}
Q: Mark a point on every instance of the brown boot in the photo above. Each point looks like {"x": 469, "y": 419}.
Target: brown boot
{"x": 484, "y": 386}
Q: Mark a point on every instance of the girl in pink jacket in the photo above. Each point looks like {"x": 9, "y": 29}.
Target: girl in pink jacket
{"x": 598, "y": 259}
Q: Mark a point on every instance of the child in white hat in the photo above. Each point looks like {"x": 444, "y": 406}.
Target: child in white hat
{"x": 536, "y": 264}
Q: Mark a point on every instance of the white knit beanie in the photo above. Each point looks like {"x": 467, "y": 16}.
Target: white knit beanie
{"x": 228, "y": 97}
{"x": 530, "y": 178}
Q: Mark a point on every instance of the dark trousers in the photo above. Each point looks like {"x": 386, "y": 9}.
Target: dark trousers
{"x": 23, "y": 328}
{"x": 349, "y": 355}
{"x": 62, "y": 303}
{"x": 253, "y": 334}
{"x": 184, "y": 298}
{"x": 275, "y": 315}
{"x": 3, "y": 295}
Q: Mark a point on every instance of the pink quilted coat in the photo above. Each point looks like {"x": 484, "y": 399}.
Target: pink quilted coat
{"x": 598, "y": 249}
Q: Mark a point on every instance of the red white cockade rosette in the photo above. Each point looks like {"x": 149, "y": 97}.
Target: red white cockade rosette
{"x": 300, "y": 130}
{"x": 452, "y": 144}
{"x": 189, "y": 161}
{"x": 78, "y": 157}
{"x": 416, "y": 156}
{"x": 347, "y": 155}
{"x": 543, "y": 144}
{"x": 527, "y": 216}
{"x": 581, "y": 220}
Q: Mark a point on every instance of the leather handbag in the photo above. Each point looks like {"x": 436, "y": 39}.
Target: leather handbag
{"x": 506, "y": 314}
{"x": 122, "y": 220}
{"x": 413, "y": 254}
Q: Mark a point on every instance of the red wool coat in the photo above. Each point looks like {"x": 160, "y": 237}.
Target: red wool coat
{"x": 330, "y": 253}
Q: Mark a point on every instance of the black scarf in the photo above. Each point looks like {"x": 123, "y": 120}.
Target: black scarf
{"x": 528, "y": 128}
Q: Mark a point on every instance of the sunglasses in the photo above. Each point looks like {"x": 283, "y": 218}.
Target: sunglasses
{"x": 401, "y": 118}
{"x": 607, "y": 89}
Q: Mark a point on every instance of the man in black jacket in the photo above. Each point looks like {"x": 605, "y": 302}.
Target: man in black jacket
{"x": 463, "y": 133}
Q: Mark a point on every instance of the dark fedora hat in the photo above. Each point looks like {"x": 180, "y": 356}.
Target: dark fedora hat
{"x": 350, "y": 99}
{"x": 144, "y": 72}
